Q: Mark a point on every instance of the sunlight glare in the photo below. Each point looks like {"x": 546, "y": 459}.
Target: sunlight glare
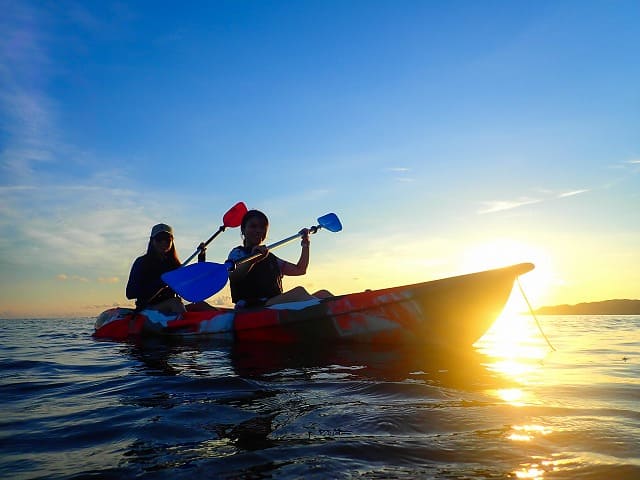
{"x": 513, "y": 337}
{"x": 500, "y": 252}
{"x": 532, "y": 473}
{"x": 516, "y": 350}
{"x": 510, "y": 395}
{"x": 526, "y": 433}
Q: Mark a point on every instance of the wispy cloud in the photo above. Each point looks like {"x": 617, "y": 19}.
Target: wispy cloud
{"x": 633, "y": 165}
{"x": 572, "y": 193}
{"x": 316, "y": 193}
{"x": 401, "y": 174}
{"x": 493, "y": 206}
{"x": 89, "y": 231}
{"x": 101, "y": 306}
{"x": 630, "y": 165}
{"x": 63, "y": 277}
{"x": 501, "y": 205}
{"x": 81, "y": 222}
{"x": 108, "y": 280}
{"x": 27, "y": 114}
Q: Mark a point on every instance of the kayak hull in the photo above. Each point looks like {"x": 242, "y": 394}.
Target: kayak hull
{"x": 451, "y": 311}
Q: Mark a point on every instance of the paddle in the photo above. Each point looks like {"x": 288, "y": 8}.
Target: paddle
{"x": 231, "y": 219}
{"x": 201, "y": 280}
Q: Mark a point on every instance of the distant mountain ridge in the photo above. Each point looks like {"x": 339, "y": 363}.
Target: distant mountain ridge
{"x": 605, "y": 307}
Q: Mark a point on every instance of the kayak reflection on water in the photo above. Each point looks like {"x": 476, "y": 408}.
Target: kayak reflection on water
{"x": 463, "y": 369}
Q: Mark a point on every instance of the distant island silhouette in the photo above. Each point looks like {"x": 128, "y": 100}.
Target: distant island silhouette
{"x": 605, "y": 307}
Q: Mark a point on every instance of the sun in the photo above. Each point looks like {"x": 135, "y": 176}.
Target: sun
{"x": 501, "y": 252}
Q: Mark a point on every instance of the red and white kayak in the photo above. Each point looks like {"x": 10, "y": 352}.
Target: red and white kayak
{"x": 453, "y": 311}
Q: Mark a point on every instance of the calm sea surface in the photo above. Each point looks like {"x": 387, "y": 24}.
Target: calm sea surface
{"x": 74, "y": 407}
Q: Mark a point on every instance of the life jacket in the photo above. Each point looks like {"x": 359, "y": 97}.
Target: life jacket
{"x": 263, "y": 281}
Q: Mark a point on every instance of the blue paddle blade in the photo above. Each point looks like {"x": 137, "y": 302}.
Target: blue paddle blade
{"x": 198, "y": 281}
{"x": 331, "y": 222}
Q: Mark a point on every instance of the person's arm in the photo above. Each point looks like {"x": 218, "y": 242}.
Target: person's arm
{"x": 135, "y": 280}
{"x": 140, "y": 286}
{"x": 299, "y": 268}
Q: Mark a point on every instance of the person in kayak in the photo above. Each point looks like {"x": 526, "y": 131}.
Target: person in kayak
{"x": 145, "y": 283}
{"x": 259, "y": 282}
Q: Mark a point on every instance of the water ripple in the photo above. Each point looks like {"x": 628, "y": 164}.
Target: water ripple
{"x": 78, "y": 408}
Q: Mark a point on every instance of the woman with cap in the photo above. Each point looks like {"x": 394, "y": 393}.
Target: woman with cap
{"x": 145, "y": 284}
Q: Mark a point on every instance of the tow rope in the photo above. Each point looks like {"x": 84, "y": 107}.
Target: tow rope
{"x": 534, "y": 315}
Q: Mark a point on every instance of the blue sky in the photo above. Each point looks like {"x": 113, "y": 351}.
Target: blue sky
{"x": 448, "y": 137}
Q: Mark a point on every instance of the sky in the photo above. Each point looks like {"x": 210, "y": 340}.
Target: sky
{"x": 448, "y": 137}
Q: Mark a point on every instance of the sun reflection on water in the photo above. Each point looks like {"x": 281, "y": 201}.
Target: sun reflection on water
{"x": 530, "y": 472}
{"x": 526, "y": 433}
{"x": 510, "y": 395}
{"x": 514, "y": 344}
{"x": 515, "y": 350}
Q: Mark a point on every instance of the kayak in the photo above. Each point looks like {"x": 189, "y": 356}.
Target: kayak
{"x": 453, "y": 311}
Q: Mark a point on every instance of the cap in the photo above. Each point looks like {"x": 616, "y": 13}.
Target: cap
{"x": 161, "y": 227}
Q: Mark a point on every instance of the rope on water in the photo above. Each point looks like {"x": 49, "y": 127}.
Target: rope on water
{"x": 534, "y": 315}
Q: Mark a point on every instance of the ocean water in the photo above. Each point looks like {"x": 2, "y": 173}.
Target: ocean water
{"x": 74, "y": 407}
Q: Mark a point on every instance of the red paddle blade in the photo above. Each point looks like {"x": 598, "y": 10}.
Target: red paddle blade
{"x": 233, "y": 218}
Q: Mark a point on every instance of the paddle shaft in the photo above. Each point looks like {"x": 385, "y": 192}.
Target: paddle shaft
{"x": 275, "y": 245}
{"x": 232, "y": 218}
{"x": 203, "y": 245}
